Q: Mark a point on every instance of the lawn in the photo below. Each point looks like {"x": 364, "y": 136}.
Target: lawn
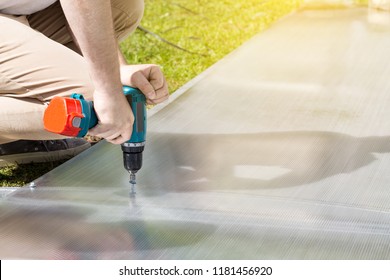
{"x": 184, "y": 37}
{"x": 204, "y": 30}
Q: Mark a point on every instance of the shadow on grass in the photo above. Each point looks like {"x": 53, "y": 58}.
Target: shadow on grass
{"x": 19, "y": 175}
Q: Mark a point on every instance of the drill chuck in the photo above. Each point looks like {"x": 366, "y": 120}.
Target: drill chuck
{"x": 132, "y": 156}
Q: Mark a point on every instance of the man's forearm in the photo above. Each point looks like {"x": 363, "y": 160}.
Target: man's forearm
{"x": 91, "y": 24}
{"x": 122, "y": 59}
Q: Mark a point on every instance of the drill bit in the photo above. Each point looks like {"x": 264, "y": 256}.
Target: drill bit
{"x": 132, "y": 182}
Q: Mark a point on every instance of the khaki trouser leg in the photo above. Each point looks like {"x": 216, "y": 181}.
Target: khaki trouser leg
{"x": 36, "y": 66}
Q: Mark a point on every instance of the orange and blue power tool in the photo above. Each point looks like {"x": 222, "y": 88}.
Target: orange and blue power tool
{"x": 74, "y": 116}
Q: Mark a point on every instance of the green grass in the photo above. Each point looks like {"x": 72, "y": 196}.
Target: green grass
{"x": 207, "y": 30}
{"x": 20, "y": 175}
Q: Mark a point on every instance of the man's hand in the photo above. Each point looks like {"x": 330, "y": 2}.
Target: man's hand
{"x": 115, "y": 118}
{"x": 148, "y": 78}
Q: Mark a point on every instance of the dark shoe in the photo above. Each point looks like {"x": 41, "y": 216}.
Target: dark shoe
{"x": 27, "y": 151}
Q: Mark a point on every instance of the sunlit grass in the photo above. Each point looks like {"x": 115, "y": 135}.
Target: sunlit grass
{"x": 207, "y": 29}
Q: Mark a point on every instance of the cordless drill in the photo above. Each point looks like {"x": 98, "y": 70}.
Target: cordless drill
{"x": 74, "y": 116}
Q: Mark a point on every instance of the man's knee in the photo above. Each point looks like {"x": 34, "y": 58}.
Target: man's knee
{"x": 127, "y": 15}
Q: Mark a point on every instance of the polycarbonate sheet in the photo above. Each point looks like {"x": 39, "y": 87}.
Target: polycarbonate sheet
{"x": 279, "y": 151}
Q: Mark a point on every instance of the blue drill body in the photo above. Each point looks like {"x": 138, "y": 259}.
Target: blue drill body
{"x": 133, "y": 148}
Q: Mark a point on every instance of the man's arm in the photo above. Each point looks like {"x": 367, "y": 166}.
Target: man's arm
{"x": 91, "y": 24}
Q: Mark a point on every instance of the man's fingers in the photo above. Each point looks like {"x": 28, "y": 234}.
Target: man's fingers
{"x": 98, "y": 131}
{"x": 109, "y": 135}
{"x": 119, "y": 140}
{"x": 143, "y": 84}
{"x": 113, "y": 137}
{"x": 162, "y": 95}
{"x": 156, "y": 78}
{"x": 161, "y": 91}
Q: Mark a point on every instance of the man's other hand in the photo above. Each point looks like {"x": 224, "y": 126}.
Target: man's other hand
{"x": 148, "y": 78}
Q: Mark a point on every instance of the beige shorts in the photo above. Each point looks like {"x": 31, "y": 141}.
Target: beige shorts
{"x": 39, "y": 60}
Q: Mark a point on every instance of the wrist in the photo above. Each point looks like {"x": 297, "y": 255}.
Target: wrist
{"x": 108, "y": 91}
